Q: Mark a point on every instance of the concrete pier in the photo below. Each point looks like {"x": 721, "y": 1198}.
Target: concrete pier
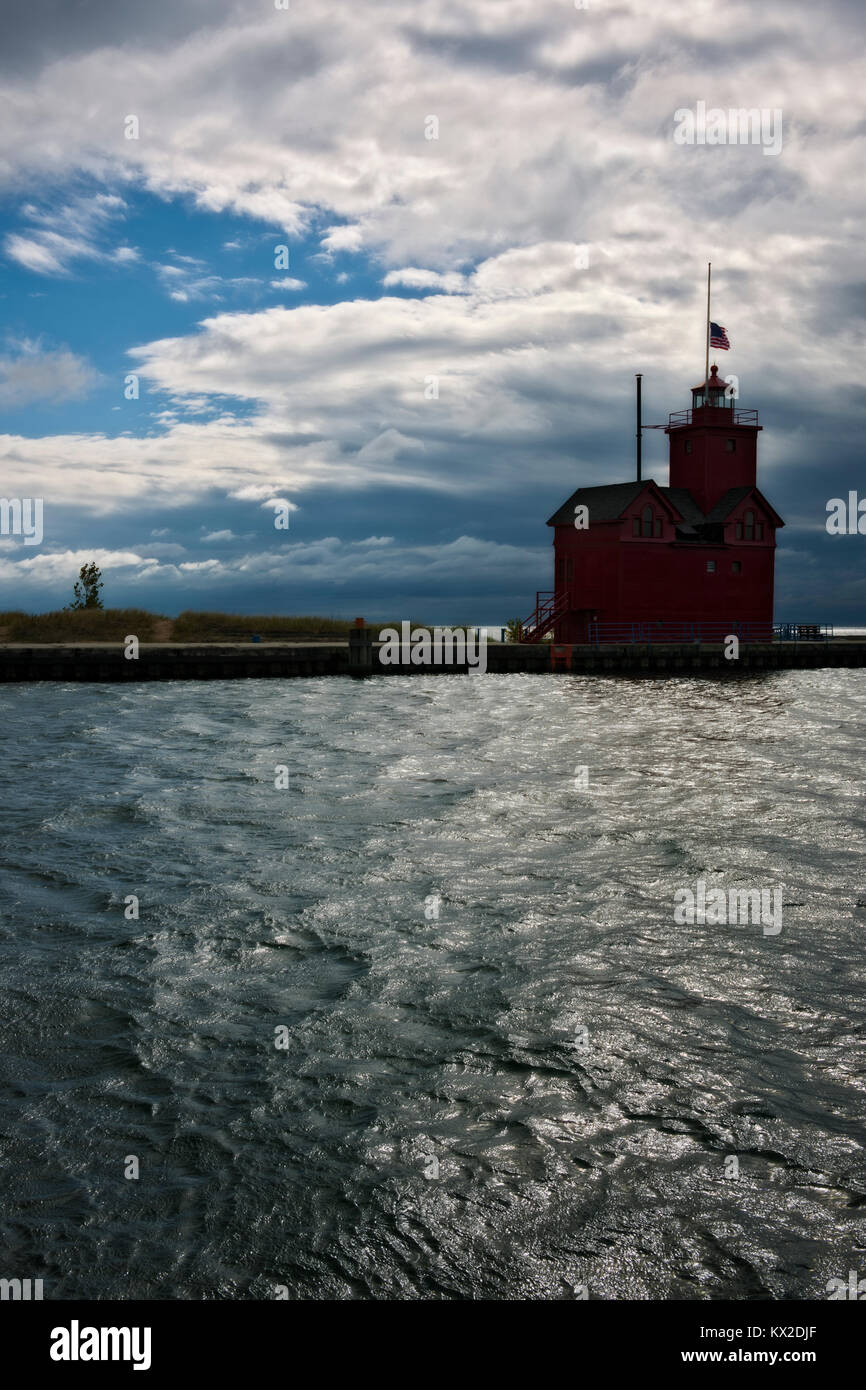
{"x": 358, "y": 657}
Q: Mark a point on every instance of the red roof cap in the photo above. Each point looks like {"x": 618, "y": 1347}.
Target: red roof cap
{"x": 713, "y": 381}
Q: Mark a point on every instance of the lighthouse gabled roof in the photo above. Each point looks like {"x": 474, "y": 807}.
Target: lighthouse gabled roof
{"x": 685, "y": 505}
{"x": 606, "y": 503}
{"x": 610, "y": 501}
{"x": 734, "y": 495}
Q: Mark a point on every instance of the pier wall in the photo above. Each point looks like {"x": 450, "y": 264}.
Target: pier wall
{"x": 359, "y": 657}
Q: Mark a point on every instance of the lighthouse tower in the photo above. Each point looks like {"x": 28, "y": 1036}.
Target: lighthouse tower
{"x": 690, "y": 561}
{"x": 714, "y": 445}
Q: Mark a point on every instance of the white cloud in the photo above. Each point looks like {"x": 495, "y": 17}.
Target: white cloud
{"x": 49, "y": 567}
{"x": 415, "y": 278}
{"x": 339, "y": 393}
{"x": 35, "y": 374}
{"x": 61, "y": 235}
{"x": 328, "y": 563}
{"x": 553, "y": 122}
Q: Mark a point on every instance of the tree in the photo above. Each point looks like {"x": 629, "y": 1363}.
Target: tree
{"x": 86, "y": 590}
{"x": 514, "y": 630}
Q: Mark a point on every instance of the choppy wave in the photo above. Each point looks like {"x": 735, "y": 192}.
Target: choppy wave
{"x": 580, "y": 1067}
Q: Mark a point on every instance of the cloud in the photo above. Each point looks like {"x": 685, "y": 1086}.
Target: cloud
{"x": 184, "y": 282}
{"x": 330, "y": 564}
{"x": 450, "y": 393}
{"x": 415, "y": 278}
{"x": 554, "y": 234}
{"x": 74, "y": 231}
{"x": 34, "y": 374}
{"x": 554, "y": 123}
{"x": 50, "y": 567}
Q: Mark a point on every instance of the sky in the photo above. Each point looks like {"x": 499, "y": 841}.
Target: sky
{"x": 388, "y": 270}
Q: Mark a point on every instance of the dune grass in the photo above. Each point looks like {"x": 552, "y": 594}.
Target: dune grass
{"x": 190, "y": 626}
{"x": 113, "y": 624}
{"x": 79, "y": 625}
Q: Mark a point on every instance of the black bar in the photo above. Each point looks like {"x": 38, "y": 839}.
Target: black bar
{"x": 228, "y": 1339}
{"x": 639, "y": 435}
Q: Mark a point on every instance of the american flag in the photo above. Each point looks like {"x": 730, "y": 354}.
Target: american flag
{"x": 718, "y": 337}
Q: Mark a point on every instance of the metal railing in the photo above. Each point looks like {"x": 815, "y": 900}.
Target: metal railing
{"x": 677, "y": 633}
{"x": 803, "y": 632}
{"x": 712, "y": 415}
{"x": 550, "y": 604}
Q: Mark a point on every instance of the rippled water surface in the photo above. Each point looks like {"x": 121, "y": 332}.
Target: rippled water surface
{"x": 580, "y": 1067}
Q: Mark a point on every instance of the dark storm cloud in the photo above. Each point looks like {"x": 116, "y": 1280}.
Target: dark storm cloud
{"x": 35, "y": 32}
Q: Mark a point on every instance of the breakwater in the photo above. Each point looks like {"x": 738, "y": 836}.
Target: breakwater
{"x": 359, "y": 657}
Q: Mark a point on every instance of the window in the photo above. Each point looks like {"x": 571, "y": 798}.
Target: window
{"x": 749, "y": 520}
{"x": 739, "y": 530}
{"x": 635, "y": 526}
{"x": 730, "y": 446}
{"x": 759, "y": 531}
{"x": 647, "y": 529}
{"x": 711, "y": 567}
{"x": 657, "y": 527}
{"x": 688, "y": 446}
{"x": 736, "y": 567}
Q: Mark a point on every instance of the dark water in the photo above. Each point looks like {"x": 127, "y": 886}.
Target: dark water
{"x": 566, "y": 1158}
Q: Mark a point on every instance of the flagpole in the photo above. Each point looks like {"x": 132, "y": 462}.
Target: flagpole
{"x": 707, "y": 358}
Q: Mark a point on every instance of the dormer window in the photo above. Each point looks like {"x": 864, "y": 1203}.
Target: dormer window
{"x": 749, "y": 526}
{"x": 647, "y": 524}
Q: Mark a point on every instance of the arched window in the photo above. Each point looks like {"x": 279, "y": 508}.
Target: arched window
{"x": 635, "y": 526}
{"x": 749, "y": 519}
{"x": 647, "y": 521}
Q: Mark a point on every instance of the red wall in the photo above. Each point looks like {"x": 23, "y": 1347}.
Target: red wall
{"x": 710, "y": 470}
{"x": 620, "y": 578}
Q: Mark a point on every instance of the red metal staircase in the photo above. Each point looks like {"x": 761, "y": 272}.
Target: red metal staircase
{"x": 548, "y": 610}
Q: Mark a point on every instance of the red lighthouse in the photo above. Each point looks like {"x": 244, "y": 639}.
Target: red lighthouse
{"x": 635, "y": 561}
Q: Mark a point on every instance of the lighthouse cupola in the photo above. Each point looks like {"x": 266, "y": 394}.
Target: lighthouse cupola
{"x": 711, "y": 393}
